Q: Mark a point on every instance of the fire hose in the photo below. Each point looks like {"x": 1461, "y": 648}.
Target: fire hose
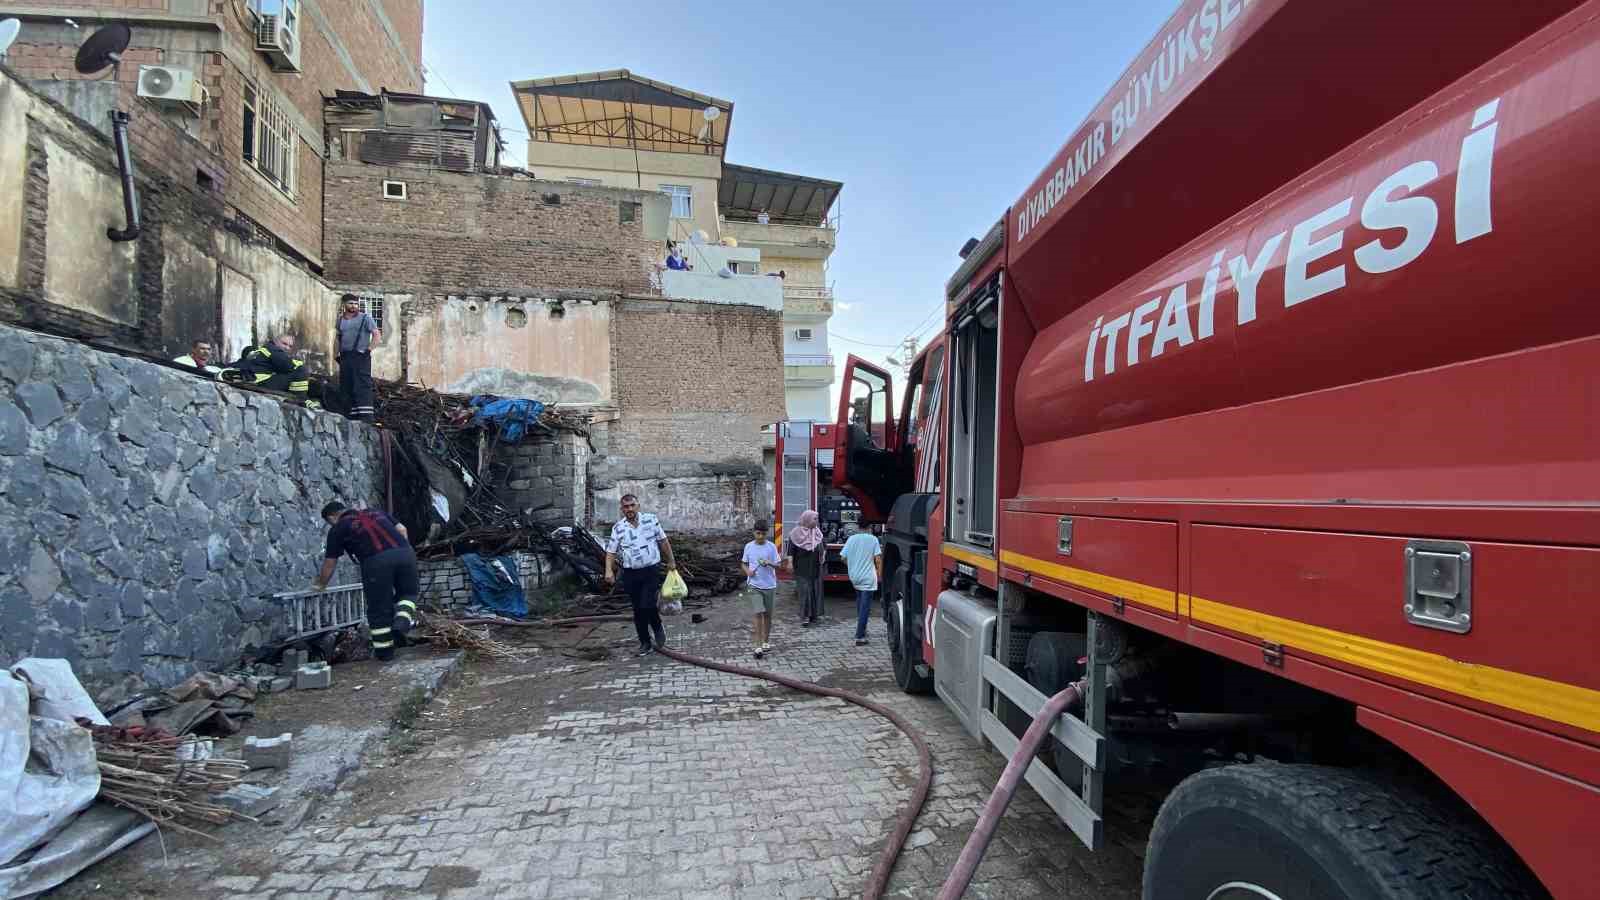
{"x": 878, "y": 881}
{"x": 1004, "y": 790}
{"x": 993, "y": 809}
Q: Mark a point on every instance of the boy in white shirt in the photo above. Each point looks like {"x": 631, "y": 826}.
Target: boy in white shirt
{"x": 760, "y": 561}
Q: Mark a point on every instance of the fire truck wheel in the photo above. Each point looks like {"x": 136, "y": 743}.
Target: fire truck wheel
{"x": 905, "y": 648}
{"x": 1291, "y": 832}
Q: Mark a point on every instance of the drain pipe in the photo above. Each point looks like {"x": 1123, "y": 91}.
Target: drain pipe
{"x": 130, "y": 193}
{"x": 989, "y": 820}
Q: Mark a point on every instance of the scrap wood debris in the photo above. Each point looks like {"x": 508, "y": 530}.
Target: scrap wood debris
{"x": 423, "y": 411}
{"x": 448, "y": 634}
{"x": 170, "y": 780}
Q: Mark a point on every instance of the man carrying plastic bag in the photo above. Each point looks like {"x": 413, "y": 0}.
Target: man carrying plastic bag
{"x": 639, "y": 542}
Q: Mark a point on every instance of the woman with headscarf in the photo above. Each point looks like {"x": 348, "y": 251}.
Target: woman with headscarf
{"x": 804, "y": 551}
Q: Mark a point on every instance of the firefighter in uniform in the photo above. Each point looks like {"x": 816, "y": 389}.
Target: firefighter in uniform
{"x": 275, "y": 367}
{"x": 388, "y": 570}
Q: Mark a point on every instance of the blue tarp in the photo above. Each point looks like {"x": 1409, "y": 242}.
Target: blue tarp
{"x": 495, "y": 584}
{"x": 513, "y": 417}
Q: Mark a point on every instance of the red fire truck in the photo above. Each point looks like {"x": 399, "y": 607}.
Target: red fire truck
{"x": 803, "y": 480}
{"x": 1268, "y": 414}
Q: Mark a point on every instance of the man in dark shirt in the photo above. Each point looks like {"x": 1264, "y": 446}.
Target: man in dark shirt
{"x": 356, "y": 332}
{"x": 388, "y": 570}
{"x": 275, "y": 367}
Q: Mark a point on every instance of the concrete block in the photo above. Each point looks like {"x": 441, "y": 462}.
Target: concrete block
{"x": 269, "y": 753}
{"x": 293, "y": 659}
{"x": 313, "y": 676}
{"x": 249, "y": 799}
{"x": 278, "y": 685}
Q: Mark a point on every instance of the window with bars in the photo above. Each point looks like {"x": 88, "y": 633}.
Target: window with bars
{"x": 372, "y": 305}
{"x": 682, "y": 200}
{"x": 269, "y": 139}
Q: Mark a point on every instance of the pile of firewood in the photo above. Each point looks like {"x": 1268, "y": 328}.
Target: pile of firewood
{"x": 170, "y": 780}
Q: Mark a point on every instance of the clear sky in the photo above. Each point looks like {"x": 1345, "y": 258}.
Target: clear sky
{"x": 936, "y": 116}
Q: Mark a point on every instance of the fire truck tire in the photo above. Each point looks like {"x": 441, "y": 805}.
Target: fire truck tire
{"x": 1264, "y": 831}
{"x": 905, "y": 648}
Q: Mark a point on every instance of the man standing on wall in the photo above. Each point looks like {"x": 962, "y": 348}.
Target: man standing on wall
{"x": 639, "y": 542}
{"x": 358, "y": 331}
{"x": 382, "y": 548}
{"x": 864, "y": 555}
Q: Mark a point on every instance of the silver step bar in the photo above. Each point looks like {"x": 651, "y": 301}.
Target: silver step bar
{"x": 1079, "y": 810}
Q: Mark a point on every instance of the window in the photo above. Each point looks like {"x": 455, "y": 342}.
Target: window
{"x": 586, "y": 182}
{"x": 627, "y": 212}
{"x": 269, "y": 139}
{"x": 394, "y": 190}
{"x": 682, "y": 200}
{"x": 802, "y": 334}
{"x": 372, "y": 305}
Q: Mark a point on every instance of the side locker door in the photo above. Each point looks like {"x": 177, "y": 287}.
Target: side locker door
{"x": 866, "y": 447}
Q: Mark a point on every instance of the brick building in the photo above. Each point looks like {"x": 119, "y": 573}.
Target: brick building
{"x": 428, "y": 230}
{"x": 258, "y": 143}
{"x": 503, "y": 284}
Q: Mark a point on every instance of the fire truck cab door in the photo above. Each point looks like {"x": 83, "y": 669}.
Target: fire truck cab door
{"x": 866, "y": 445}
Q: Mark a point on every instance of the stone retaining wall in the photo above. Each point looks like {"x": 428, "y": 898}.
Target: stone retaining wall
{"x": 144, "y": 511}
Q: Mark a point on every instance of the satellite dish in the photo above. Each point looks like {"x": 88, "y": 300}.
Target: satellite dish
{"x": 156, "y": 81}
{"x": 8, "y": 33}
{"x": 711, "y": 113}
{"x": 103, "y": 48}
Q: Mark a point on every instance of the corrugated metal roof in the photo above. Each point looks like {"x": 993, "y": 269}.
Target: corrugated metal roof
{"x": 789, "y": 199}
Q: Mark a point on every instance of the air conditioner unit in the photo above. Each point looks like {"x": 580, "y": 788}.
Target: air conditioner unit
{"x": 802, "y": 334}
{"x": 278, "y": 36}
{"x": 169, "y": 84}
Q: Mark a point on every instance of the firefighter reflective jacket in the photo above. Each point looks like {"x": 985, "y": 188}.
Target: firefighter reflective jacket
{"x": 273, "y": 364}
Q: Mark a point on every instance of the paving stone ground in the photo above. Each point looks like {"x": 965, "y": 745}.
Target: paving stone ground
{"x": 623, "y": 777}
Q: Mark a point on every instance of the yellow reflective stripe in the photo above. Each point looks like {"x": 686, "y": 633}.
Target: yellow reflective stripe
{"x": 1556, "y": 701}
{"x": 408, "y": 604}
{"x": 383, "y": 645}
{"x": 1553, "y": 700}
{"x": 381, "y": 631}
{"x": 260, "y": 377}
{"x": 1132, "y": 591}
{"x": 985, "y": 563}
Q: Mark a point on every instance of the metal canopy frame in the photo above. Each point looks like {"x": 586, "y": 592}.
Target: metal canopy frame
{"x": 618, "y": 109}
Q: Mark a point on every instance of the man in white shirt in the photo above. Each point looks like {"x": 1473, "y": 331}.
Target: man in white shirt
{"x": 864, "y": 556}
{"x": 639, "y": 543}
{"x": 199, "y": 357}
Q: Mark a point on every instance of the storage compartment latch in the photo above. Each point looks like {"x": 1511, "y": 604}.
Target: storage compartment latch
{"x": 1064, "y": 535}
{"x": 1439, "y": 585}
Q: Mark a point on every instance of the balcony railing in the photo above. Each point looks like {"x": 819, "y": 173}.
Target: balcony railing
{"x": 805, "y": 300}
{"x": 807, "y": 292}
{"x": 791, "y": 359}
{"x": 775, "y": 234}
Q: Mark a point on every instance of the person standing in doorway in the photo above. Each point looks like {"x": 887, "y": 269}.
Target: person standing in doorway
{"x": 864, "y": 555}
{"x": 803, "y": 555}
{"x": 389, "y": 579}
{"x": 358, "y": 331}
{"x": 761, "y": 585}
{"x": 639, "y": 543}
